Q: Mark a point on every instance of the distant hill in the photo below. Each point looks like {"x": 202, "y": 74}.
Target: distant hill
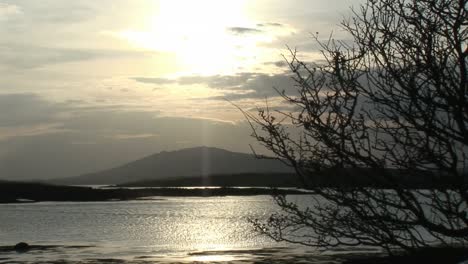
{"x": 199, "y": 161}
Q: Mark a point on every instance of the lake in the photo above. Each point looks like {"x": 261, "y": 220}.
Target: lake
{"x": 166, "y": 229}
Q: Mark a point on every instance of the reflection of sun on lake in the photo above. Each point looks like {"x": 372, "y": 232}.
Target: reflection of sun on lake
{"x": 197, "y": 32}
{"x": 212, "y": 258}
{"x": 191, "y": 229}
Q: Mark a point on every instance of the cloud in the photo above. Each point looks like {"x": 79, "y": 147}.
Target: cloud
{"x": 24, "y": 110}
{"x": 240, "y": 86}
{"x": 215, "y": 81}
{"x": 28, "y": 115}
{"x": 9, "y": 10}
{"x": 234, "y": 96}
{"x": 219, "y": 81}
{"x": 31, "y": 114}
{"x": 7, "y": 133}
{"x": 269, "y": 24}
{"x": 134, "y": 136}
{"x": 252, "y": 30}
{"x": 279, "y": 64}
{"x": 22, "y": 56}
{"x": 59, "y": 139}
{"x": 243, "y": 30}
{"x": 54, "y": 12}
{"x": 65, "y": 15}
{"x": 154, "y": 80}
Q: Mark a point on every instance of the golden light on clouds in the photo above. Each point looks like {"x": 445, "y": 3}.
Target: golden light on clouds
{"x": 200, "y": 35}
{"x": 146, "y": 75}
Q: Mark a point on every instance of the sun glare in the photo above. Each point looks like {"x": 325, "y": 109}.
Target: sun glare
{"x": 197, "y": 33}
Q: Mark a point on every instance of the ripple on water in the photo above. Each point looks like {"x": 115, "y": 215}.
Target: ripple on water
{"x": 130, "y": 229}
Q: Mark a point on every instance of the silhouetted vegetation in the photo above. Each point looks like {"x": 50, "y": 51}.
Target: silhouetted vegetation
{"x": 225, "y": 180}
{"x": 436, "y": 255}
{"x": 12, "y": 192}
{"x": 347, "y": 178}
{"x": 393, "y": 100}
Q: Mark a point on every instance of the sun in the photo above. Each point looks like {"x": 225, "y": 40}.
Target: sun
{"x": 196, "y": 32}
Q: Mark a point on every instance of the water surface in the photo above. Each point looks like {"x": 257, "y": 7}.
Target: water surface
{"x": 161, "y": 228}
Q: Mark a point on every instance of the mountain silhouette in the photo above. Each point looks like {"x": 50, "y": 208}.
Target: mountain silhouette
{"x": 198, "y": 161}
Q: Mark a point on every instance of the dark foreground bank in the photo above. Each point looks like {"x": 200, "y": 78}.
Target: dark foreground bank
{"x": 11, "y": 192}
{"x": 64, "y": 255}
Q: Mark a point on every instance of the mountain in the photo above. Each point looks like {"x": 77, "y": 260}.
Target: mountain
{"x": 199, "y": 161}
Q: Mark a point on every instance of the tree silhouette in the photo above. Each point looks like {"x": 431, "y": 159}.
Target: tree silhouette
{"x": 393, "y": 106}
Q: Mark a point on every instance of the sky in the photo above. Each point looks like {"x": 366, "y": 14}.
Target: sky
{"x": 88, "y": 85}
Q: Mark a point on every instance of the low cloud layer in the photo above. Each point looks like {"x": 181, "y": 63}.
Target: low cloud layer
{"x": 240, "y": 86}
{"x": 9, "y": 10}
{"x": 40, "y": 139}
{"x": 243, "y": 30}
{"x": 23, "y": 56}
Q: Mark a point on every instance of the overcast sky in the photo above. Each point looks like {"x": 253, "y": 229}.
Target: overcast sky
{"x": 88, "y": 85}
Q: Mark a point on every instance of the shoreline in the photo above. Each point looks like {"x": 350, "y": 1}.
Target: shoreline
{"x": 63, "y": 254}
{"x": 15, "y": 192}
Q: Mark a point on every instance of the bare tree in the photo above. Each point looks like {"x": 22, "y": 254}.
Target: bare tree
{"x": 391, "y": 107}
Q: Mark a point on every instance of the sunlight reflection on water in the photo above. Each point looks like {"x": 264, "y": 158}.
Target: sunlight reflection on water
{"x": 167, "y": 226}
{"x": 212, "y": 258}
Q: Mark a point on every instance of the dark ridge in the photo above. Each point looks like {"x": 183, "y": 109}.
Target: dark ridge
{"x": 189, "y": 162}
{"x": 14, "y": 192}
{"x": 430, "y": 255}
{"x": 236, "y": 180}
{"x": 333, "y": 178}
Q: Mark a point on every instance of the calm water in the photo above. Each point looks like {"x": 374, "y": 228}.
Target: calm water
{"x": 160, "y": 227}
